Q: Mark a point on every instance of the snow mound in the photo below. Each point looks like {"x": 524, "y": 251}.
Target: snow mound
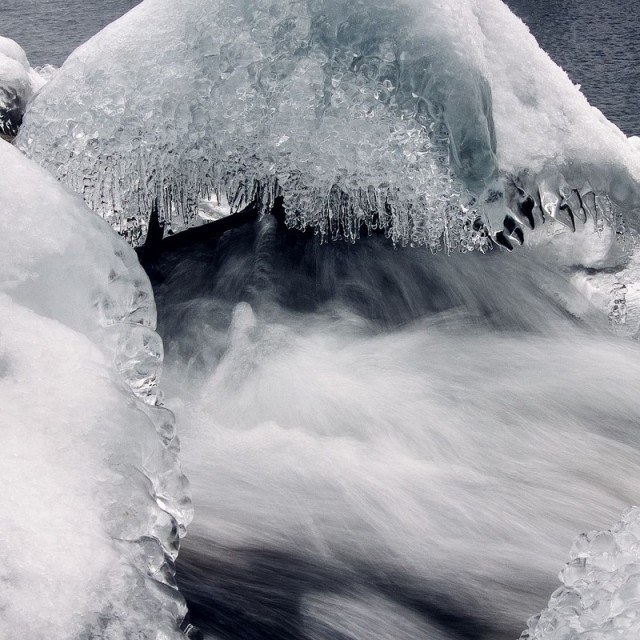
{"x": 600, "y": 596}
{"x": 94, "y": 501}
{"x": 421, "y": 118}
{"x": 18, "y": 84}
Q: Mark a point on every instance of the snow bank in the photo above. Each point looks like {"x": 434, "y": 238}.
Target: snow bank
{"x": 93, "y": 499}
{"x": 412, "y": 116}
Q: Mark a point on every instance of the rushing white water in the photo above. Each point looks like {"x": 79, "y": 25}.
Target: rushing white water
{"x": 385, "y": 443}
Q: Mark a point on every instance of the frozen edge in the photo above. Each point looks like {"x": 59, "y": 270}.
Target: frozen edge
{"x": 598, "y": 598}
{"x": 137, "y": 353}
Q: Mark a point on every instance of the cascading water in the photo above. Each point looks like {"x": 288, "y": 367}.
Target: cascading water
{"x": 386, "y": 443}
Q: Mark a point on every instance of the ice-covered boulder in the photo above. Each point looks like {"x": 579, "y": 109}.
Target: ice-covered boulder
{"x": 18, "y": 84}
{"x": 600, "y": 596}
{"x": 93, "y": 501}
{"x": 419, "y": 117}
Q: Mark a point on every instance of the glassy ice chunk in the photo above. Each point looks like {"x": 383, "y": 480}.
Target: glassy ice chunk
{"x": 600, "y": 596}
{"x": 410, "y": 116}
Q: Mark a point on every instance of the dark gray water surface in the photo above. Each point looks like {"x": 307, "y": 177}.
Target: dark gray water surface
{"x": 597, "y": 43}
{"x": 49, "y": 30}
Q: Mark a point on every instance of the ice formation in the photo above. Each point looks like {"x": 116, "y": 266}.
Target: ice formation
{"x": 18, "y": 84}
{"x": 93, "y": 501}
{"x": 600, "y": 596}
{"x": 421, "y": 118}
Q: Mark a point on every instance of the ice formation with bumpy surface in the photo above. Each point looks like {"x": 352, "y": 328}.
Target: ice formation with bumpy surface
{"x": 18, "y": 84}
{"x": 93, "y": 500}
{"x": 419, "y": 117}
{"x": 600, "y": 596}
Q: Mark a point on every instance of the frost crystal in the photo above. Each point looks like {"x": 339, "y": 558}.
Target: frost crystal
{"x": 600, "y": 596}
{"x": 321, "y": 103}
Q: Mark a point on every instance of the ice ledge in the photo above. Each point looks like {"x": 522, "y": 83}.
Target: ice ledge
{"x": 360, "y": 117}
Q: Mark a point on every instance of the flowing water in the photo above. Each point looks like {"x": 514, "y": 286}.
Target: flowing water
{"x": 386, "y": 443}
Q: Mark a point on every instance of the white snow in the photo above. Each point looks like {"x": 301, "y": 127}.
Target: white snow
{"x": 92, "y": 499}
{"x": 11, "y": 50}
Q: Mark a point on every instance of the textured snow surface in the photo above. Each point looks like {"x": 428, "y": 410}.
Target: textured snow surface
{"x": 600, "y": 596}
{"x": 414, "y": 116}
{"x": 93, "y": 500}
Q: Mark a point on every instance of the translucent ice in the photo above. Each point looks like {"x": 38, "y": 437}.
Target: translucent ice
{"x": 411, "y": 116}
{"x": 93, "y": 500}
{"x": 18, "y": 83}
{"x": 600, "y": 596}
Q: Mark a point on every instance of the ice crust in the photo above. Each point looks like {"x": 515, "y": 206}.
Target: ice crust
{"x": 410, "y": 116}
{"x": 600, "y": 596}
{"x": 93, "y": 501}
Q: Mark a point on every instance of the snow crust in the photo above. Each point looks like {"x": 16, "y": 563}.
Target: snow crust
{"x": 412, "y": 116}
{"x": 93, "y": 499}
{"x": 600, "y": 594}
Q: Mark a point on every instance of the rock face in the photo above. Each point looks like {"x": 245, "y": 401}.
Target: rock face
{"x": 18, "y": 84}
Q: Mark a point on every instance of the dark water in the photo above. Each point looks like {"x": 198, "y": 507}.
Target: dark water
{"x": 597, "y": 44}
{"x": 383, "y": 444}
{"x": 49, "y": 30}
